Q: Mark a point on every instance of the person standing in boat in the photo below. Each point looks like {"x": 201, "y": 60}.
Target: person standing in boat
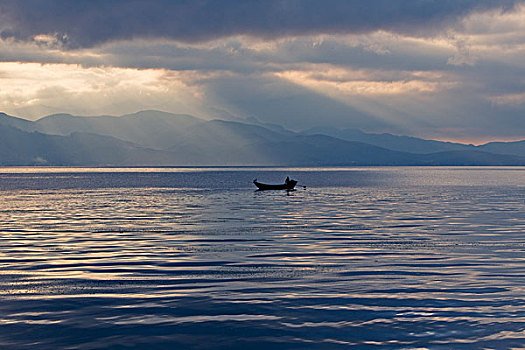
{"x": 287, "y": 181}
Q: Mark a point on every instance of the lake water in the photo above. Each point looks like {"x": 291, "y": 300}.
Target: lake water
{"x": 196, "y": 259}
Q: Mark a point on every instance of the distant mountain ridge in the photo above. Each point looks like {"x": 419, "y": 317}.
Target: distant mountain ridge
{"x": 160, "y": 138}
{"x": 153, "y": 129}
{"x": 19, "y": 147}
{"x": 417, "y": 145}
{"x": 393, "y": 142}
{"x": 516, "y": 148}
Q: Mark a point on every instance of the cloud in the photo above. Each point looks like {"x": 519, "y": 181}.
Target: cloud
{"x": 515, "y": 99}
{"x": 77, "y": 24}
{"x": 443, "y": 69}
{"x": 33, "y": 90}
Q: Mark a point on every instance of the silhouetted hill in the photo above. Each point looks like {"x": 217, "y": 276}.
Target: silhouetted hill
{"x": 18, "y": 147}
{"x": 515, "y": 148}
{"x": 158, "y": 138}
{"x": 393, "y": 142}
{"x": 458, "y": 158}
{"x": 153, "y": 129}
{"x": 325, "y": 150}
{"x": 15, "y": 122}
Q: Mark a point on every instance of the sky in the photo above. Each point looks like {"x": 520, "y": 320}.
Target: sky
{"x": 441, "y": 69}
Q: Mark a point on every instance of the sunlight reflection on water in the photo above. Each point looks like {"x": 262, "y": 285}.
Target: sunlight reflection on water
{"x": 392, "y": 257}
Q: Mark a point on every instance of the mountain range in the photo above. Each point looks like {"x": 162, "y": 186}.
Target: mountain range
{"x": 152, "y": 138}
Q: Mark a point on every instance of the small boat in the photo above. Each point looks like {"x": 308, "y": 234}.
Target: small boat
{"x": 287, "y": 185}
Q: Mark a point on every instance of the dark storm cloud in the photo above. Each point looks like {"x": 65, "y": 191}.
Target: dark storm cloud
{"x": 86, "y": 23}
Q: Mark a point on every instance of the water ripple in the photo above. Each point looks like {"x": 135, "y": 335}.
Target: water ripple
{"x": 404, "y": 266}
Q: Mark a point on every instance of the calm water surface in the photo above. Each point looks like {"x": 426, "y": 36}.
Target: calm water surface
{"x": 196, "y": 259}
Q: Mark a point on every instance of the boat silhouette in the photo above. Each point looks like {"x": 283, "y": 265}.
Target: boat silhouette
{"x": 287, "y": 185}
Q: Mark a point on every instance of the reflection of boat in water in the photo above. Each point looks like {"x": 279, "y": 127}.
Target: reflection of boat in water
{"x": 287, "y": 185}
